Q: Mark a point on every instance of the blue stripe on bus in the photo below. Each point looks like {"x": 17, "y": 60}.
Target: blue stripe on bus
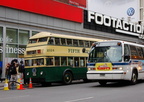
{"x": 121, "y": 63}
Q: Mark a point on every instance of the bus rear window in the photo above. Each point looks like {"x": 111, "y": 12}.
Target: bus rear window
{"x": 32, "y": 40}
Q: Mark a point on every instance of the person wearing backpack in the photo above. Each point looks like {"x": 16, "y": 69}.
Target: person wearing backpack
{"x": 13, "y": 72}
{"x": 21, "y": 70}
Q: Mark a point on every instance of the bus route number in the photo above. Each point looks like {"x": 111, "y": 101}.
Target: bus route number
{"x": 50, "y": 50}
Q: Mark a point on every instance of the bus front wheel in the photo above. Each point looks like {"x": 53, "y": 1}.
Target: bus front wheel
{"x": 134, "y": 78}
{"x": 67, "y": 78}
{"x": 102, "y": 83}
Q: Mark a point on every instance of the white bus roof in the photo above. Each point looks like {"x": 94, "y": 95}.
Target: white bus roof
{"x": 125, "y": 42}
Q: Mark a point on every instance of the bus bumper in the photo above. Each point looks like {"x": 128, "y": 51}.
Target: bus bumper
{"x": 108, "y": 75}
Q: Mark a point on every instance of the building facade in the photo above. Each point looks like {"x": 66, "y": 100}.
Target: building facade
{"x": 20, "y": 19}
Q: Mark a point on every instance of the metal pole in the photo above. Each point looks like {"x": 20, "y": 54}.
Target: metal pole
{"x": 3, "y": 55}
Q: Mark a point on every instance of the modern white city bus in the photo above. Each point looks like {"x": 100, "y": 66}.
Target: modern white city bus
{"x": 116, "y": 60}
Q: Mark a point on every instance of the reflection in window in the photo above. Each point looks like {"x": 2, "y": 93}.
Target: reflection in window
{"x": 63, "y": 41}
{"x": 23, "y": 37}
{"x": 1, "y": 34}
{"x": 76, "y": 61}
{"x": 81, "y": 43}
{"x": 75, "y": 42}
{"x": 69, "y": 42}
{"x": 57, "y": 41}
{"x": 43, "y": 39}
{"x": 82, "y": 62}
{"x": 51, "y": 41}
{"x": 63, "y": 61}
{"x": 33, "y": 41}
{"x": 87, "y": 43}
{"x": 36, "y": 62}
{"x": 70, "y": 61}
{"x": 57, "y": 61}
{"x": 49, "y": 61}
{"x": 34, "y": 32}
{"x": 12, "y": 34}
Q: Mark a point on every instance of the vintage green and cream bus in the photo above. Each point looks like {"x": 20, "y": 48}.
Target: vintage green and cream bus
{"x": 56, "y": 58}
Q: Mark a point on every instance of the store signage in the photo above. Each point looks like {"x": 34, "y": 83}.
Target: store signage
{"x": 119, "y": 26}
{"x": 46, "y": 7}
{"x": 8, "y": 40}
{"x": 12, "y": 50}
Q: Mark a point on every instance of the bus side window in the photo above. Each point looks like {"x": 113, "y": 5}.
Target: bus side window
{"x": 57, "y": 61}
{"x": 82, "y": 62}
{"x": 70, "y": 61}
{"x": 51, "y": 41}
{"x": 81, "y": 43}
{"x": 76, "y": 61}
{"x": 126, "y": 53}
{"x": 49, "y": 61}
{"x": 57, "y": 41}
{"x": 134, "y": 53}
{"x": 63, "y": 61}
{"x": 140, "y": 52}
{"x": 69, "y": 42}
{"x": 87, "y": 43}
{"x": 75, "y": 42}
{"x": 63, "y": 41}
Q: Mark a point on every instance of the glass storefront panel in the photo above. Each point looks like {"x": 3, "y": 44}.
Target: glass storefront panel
{"x": 23, "y": 37}
{"x": 34, "y": 32}
{"x": 1, "y": 45}
{"x": 11, "y": 35}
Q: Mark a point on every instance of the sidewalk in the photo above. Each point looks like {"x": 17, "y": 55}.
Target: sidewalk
{"x": 2, "y": 85}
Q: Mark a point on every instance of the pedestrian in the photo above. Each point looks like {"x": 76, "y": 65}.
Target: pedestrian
{"x": 13, "y": 73}
{"x": 8, "y": 75}
{"x": 21, "y": 70}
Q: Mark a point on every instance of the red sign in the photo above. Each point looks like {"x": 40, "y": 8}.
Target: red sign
{"x": 78, "y": 2}
{"x": 46, "y": 7}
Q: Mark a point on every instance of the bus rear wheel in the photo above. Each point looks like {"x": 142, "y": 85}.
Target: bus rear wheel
{"x": 67, "y": 78}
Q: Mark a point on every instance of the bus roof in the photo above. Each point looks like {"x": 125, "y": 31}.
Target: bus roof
{"x": 125, "y": 42}
{"x": 49, "y": 34}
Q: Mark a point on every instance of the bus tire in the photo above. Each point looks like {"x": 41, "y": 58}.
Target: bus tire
{"x": 67, "y": 78}
{"x": 134, "y": 77}
{"x": 102, "y": 83}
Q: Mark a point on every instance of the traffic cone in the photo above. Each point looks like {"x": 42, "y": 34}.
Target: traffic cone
{"x": 18, "y": 84}
{"x": 30, "y": 84}
{"x": 6, "y": 85}
{"x": 21, "y": 85}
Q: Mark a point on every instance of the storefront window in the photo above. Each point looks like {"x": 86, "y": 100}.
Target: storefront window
{"x": 1, "y": 34}
{"x": 23, "y": 37}
{"x": 1, "y": 40}
{"x": 34, "y": 32}
{"x": 12, "y": 51}
{"x": 11, "y": 35}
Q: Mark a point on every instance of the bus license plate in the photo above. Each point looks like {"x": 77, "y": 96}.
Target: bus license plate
{"x": 102, "y": 75}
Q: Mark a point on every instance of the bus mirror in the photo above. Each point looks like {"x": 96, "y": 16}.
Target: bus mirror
{"x": 83, "y": 50}
{"x": 126, "y": 58}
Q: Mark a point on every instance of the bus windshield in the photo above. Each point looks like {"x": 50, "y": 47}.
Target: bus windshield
{"x": 106, "y": 54}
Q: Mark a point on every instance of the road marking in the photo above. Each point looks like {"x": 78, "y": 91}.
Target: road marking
{"x": 79, "y": 99}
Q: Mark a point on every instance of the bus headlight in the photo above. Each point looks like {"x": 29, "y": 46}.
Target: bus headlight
{"x": 120, "y": 68}
{"x": 41, "y": 73}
